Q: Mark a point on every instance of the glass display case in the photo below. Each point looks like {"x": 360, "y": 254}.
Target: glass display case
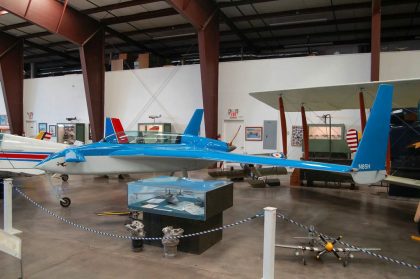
{"x": 327, "y": 139}
{"x": 155, "y": 127}
{"x": 174, "y": 196}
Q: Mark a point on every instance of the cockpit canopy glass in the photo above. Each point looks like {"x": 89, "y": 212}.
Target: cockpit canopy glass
{"x": 137, "y": 137}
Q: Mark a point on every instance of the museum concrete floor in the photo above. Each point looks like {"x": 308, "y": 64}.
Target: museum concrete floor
{"x": 365, "y": 217}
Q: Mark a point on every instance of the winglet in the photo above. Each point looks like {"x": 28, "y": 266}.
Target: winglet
{"x": 369, "y": 161}
{"x": 114, "y": 128}
{"x": 193, "y": 127}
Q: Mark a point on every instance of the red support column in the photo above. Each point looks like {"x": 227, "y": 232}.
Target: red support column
{"x": 202, "y": 14}
{"x": 283, "y": 125}
{"x": 375, "y": 46}
{"x": 11, "y": 77}
{"x": 208, "y": 41}
{"x": 92, "y": 60}
{"x": 305, "y": 134}
{"x": 375, "y": 57}
{"x": 362, "y": 111}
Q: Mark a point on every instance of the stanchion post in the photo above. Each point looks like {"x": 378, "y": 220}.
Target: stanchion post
{"x": 269, "y": 242}
{"x": 8, "y": 207}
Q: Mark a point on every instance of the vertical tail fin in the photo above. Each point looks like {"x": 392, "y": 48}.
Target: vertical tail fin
{"x": 193, "y": 127}
{"x": 369, "y": 160}
{"x": 114, "y": 128}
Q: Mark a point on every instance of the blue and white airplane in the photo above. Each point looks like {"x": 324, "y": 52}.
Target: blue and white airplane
{"x": 123, "y": 152}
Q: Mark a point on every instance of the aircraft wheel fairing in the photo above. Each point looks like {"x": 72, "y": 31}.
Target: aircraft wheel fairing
{"x": 65, "y": 202}
{"x": 65, "y": 177}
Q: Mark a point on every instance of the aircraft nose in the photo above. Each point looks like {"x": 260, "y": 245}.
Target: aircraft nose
{"x": 46, "y": 164}
{"x": 231, "y": 148}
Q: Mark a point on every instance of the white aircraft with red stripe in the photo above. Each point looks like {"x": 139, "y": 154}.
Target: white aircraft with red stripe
{"x": 19, "y": 155}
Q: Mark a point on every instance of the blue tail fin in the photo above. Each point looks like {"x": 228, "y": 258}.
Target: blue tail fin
{"x": 193, "y": 127}
{"x": 114, "y": 130}
{"x": 370, "y": 157}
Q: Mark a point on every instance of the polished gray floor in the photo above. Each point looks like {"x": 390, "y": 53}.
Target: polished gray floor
{"x": 365, "y": 217}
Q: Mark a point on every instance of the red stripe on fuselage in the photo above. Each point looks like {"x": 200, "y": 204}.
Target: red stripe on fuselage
{"x": 23, "y": 156}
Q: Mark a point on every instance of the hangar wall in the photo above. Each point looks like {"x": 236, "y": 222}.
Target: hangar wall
{"x": 176, "y": 91}
{"x": 53, "y": 99}
{"x": 237, "y": 79}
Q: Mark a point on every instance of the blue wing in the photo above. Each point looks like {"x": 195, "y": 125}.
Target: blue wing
{"x": 210, "y": 155}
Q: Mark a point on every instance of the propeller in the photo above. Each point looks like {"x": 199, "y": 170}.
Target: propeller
{"x": 328, "y": 247}
{"x": 230, "y": 144}
{"x": 231, "y": 147}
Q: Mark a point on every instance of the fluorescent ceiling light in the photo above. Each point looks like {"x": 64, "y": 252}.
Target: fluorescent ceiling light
{"x": 309, "y": 45}
{"x": 299, "y": 22}
{"x": 3, "y": 12}
{"x": 173, "y": 36}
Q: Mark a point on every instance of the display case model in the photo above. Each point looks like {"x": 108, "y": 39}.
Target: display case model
{"x": 174, "y": 196}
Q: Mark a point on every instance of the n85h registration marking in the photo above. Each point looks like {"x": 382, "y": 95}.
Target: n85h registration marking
{"x": 364, "y": 166}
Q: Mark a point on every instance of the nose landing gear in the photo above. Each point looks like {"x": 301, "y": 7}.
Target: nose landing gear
{"x": 58, "y": 189}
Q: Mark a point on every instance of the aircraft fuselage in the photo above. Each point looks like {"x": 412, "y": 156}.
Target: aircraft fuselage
{"x": 98, "y": 160}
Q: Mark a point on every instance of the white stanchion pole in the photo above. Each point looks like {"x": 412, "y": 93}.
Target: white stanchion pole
{"x": 8, "y": 207}
{"x": 269, "y": 242}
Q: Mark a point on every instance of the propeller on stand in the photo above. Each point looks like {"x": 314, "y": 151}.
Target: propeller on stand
{"x": 328, "y": 247}
{"x": 230, "y": 144}
{"x": 231, "y": 147}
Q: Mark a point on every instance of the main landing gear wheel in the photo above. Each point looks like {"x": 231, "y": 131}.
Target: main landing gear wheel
{"x": 64, "y": 177}
{"x": 65, "y": 202}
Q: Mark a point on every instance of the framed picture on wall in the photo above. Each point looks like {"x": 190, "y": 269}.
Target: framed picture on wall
{"x": 42, "y": 127}
{"x": 253, "y": 133}
{"x": 3, "y": 120}
{"x": 53, "y": 130}
{"x": 4, "y": 124}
